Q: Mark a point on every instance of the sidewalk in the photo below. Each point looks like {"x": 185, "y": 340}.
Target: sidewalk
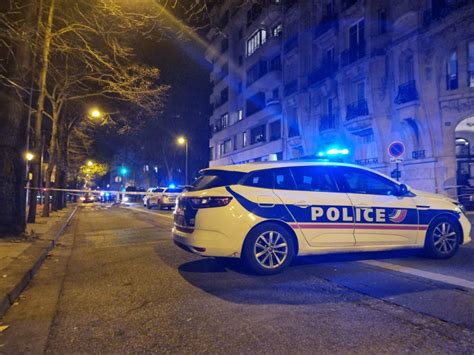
{"x": 21, "y": 258}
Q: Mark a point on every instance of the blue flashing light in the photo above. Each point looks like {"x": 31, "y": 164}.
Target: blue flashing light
{"x": 172, "y": 186}
{"x": 336, "y": 151}
{"x": 123, "y": 171}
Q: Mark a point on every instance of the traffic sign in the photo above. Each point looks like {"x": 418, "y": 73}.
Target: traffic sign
{"x": 396, "y": 149}
{"x": 396, "y": 160}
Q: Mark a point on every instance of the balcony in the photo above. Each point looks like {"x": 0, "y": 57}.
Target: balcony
{"x": 441, "y": 10}
{"x": 327, "y": 69}
{"x": 358, "y": 121}
{"x": 290, "y": 88}
{"x": 406, "y": 92}
{"x": 357, "y": 109}
{"x": 352, "y": 54}
{"x": 327, "y": 122}
{"x": 347, "y": 4}
{"x": 327, "y": 23}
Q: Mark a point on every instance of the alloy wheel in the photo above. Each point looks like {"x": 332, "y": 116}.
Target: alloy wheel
{"x": 271, "y": 249}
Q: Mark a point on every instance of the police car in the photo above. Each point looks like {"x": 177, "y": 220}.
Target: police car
{"x": 268, "y": 213}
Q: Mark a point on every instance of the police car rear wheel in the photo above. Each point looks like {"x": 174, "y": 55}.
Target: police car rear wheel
{"x": 442, "y": 239}
{"x": 268, "y": 249}
{"x": 148, "y": 205}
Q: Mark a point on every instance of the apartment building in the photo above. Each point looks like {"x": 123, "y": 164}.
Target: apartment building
{"x": 292, "y": 79}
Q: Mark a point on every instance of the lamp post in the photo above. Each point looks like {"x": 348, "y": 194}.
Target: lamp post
{"x": 28, "y": 157}
{"x": 183, "y": 141}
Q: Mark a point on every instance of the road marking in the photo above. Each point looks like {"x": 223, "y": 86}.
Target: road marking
{"x": 455, "y": 281}
{"x": 149, "y": 212}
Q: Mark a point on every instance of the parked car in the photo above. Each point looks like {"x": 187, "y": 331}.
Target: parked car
{"x": 87, "y": 198}
{"x": 152, "y": 191}
{"x": 163, "y": 197}
{"x": 268, "y": 213}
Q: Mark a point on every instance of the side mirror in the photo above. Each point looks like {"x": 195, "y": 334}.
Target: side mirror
{"x": 404, "y": 190}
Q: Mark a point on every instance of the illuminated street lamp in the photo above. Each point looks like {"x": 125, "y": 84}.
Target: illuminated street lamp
{"x": 183, "y": 141}
{"x": 95, "y": 113}
{"x": 29, "y": 156}
{"x": 90, "y": 163}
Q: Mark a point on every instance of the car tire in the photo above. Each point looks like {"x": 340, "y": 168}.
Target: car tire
{"x": 268, "y": 249}
{"x": 148, "y": 204}
{"x": 442, "y": 238}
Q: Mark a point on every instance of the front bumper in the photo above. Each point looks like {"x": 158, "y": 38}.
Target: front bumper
{"x": 466, "y": 228}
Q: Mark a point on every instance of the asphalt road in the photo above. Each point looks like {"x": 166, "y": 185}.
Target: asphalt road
{"x": 116, "y": 283}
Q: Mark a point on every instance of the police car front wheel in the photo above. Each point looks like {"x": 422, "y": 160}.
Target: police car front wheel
{"x": 442, "y": 239}
{"x": 268, "y": 249}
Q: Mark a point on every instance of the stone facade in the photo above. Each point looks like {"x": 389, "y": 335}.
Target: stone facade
{"x": 353, "y": 74}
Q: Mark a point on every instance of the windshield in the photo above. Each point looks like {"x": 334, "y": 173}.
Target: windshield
{"x": 216, "y": 178}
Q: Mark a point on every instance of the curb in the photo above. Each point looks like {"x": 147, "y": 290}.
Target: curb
{"x": 11, "y": 295}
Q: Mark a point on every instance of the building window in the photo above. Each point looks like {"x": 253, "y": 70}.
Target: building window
{"x": 244, "y": 139}
{"x": 275, "y": 130}
{"x": 356, "y": 41}
{"x": 277, "y": 31}
{"x": 253, "y": 13}
{"x": 225, "y": 120}
{"x": 255, "y": 41}
{"x": 224, "y": 96}
{"x": 227, "y": 146}
{"x": 382, "y": 21}
{"x": 255, "y": 72}
{"x": 452, "y": 72}
{"x": 211, "y": 153}
{"x": 292, "y": 120}
{"x": 257, "y": 134}
{"x": 255, "y": 103}
{"x": 330, "y": 8}
{"x": 221, "y": 150}
{"x": 471, "y": 64}
{"x": 240, "y": 115}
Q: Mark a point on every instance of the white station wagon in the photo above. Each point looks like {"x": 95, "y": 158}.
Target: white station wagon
{"x": 268, "y": 213}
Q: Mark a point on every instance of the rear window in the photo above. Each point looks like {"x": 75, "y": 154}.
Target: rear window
{"x": 175, "y": 190}
{"x": 216, "y": 178}
{"x": 157, "y": 190}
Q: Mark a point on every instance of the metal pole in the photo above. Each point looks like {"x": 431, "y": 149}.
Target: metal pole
{"x": 186, "y": 162}
{"x": 396, "y": 169}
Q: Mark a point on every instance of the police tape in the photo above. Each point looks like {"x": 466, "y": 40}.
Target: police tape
{"x": 83, "y": 191}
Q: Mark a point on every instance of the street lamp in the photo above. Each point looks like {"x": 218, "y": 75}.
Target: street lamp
{"x": 29, "y": 156}
{"x": 183, "y": 141}
{"x": 95, "y": 113}
{"x": 90, "y": 163}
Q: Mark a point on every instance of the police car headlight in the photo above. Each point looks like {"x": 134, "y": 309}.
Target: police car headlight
{"x": 209, "y": 202}
{"x": 460, "y": 208}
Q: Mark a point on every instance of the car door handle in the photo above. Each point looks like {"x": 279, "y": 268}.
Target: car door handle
{"x": 302, "y": 204}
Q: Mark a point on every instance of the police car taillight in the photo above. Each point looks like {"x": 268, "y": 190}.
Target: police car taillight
{"x": 208, "y": 202}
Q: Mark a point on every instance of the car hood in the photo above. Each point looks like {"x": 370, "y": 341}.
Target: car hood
{"x": 431, "y": 195}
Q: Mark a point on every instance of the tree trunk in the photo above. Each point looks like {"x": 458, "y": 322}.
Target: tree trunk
{"x": 12, "y": 138}
{"x": 44, "y": 64}
{"x": 52, "y": 163}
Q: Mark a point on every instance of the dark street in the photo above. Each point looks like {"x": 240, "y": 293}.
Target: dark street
{"x": 116, "y": 283}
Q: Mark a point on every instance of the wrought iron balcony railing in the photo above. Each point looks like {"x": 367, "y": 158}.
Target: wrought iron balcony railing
{"x": 327, "y": 122}
{"x": 326, "y": 70}
{"x": 406, "y": 92}
{"x": 357, "y": 109}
